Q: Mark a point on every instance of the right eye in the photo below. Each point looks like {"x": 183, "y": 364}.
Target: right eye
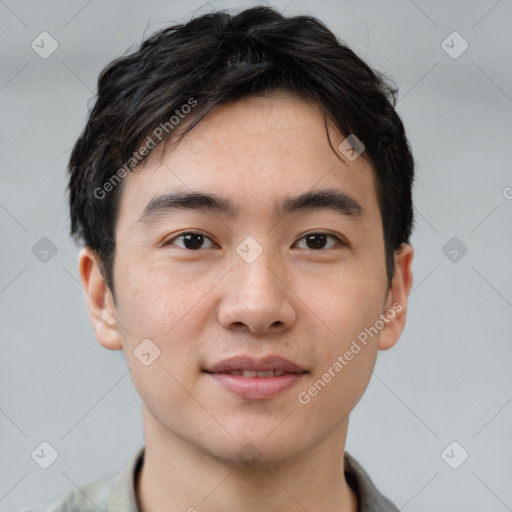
{"x": 191, "y": 240}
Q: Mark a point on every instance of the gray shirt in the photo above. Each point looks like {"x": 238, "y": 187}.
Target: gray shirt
{"x": 116, "y": 493}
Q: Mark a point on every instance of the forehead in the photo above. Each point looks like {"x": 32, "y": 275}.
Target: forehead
{"x": 255, "y": 151}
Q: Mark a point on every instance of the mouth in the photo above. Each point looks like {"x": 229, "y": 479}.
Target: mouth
{"x": 255, "y": 379}
{"x": 261, "y": 374}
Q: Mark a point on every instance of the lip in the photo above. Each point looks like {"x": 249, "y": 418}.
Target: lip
{"x": 255, "y": 388}
{"x": 272, "y": 362}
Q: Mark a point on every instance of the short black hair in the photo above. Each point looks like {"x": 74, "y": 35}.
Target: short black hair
{"x": 219, "y": 58}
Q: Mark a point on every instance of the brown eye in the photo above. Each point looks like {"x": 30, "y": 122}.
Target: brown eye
{"x": 317, "y": 241}
{"x": 191, "y": 240}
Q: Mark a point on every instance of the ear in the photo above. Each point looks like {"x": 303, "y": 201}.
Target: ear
{"x": 99, "y": 299}
{"x": 395, "y": 310}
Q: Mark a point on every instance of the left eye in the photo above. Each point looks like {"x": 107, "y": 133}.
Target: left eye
{"x": 318, "y": 240}
{"x": 194, "y": 241}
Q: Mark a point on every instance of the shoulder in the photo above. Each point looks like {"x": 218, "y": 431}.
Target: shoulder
{"x": 114, "y": 492}
{"x": 87, "y": 498}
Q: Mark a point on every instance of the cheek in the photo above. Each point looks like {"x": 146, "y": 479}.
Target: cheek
{"x": 346, "y": 358}
{"x": 154, "y": 307}
{"x": 165, "y": 307}
{"x": 346, "y": 305}
{"x": 149, "y": 301}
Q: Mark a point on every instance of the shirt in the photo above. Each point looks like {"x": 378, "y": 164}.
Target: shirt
{"x": 116, "y": 493}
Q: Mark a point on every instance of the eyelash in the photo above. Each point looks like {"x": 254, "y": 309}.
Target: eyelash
{"x": 338, "y": 240}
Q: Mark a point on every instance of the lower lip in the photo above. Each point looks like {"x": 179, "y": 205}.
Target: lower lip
{"x": 256, "y": 388}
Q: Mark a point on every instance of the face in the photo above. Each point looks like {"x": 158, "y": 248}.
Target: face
{"x": 269, "y": 277}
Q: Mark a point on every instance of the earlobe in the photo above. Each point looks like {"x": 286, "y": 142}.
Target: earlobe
{"x": 99, "y": 300}
{"x": 396, "y": 304}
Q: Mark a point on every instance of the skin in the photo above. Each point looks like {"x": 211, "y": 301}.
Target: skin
{"x": 200, "y": 306}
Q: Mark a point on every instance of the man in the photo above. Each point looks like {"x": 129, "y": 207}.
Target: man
{"x": 243, "y": 192}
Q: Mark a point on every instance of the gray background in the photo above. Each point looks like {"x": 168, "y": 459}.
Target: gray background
{"x": 448, "y": 379}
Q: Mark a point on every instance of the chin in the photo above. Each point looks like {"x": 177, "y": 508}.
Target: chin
{"x": 255, "y": 450}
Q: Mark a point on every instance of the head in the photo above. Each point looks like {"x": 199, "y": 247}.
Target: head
{"x": 256, "y": 110}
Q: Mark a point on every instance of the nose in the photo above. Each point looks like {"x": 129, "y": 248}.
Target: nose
{"x": 257, "y": 298}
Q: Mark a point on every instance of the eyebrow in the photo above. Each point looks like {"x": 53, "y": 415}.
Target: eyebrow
{"x": 325, "y": 199}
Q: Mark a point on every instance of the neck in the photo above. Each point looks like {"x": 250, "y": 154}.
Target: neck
{"x": 177, "y": 476}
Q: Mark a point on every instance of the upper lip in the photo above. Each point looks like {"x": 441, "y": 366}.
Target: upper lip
{"x": 239, "y": 363}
